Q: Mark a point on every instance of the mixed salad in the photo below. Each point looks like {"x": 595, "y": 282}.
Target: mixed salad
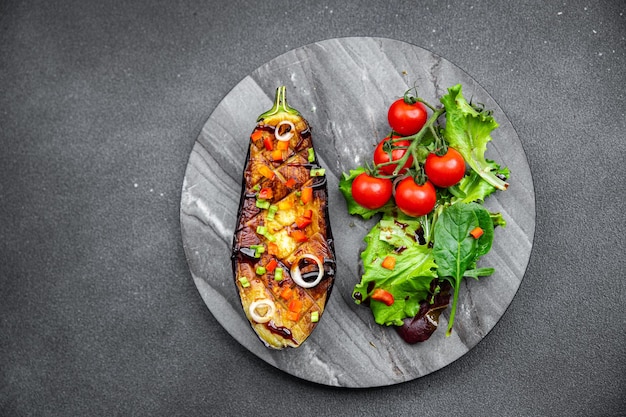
{"x": 427, "y": 182}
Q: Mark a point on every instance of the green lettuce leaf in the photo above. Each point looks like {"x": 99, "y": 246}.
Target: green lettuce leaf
{"x": 409, "y": 282}
{"x": 474, "y": 188}
{"x": 468, "y": 130}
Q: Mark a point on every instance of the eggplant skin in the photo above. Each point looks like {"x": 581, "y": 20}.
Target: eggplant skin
{"x": 283, "y": 224}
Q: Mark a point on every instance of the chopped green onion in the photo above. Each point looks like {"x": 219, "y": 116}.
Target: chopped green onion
{"x": 278, "y": 274}
{"x": 315, "y": 316}
{"x": 257, "y": 187}
{"x": 260, "y": 270}
{"x": 258, "y": 250}
{"x": 262, "y": 204}
{"x": 272, "y": 211}
{"x": 262, "y": 230}
{"x": 244, "y": 282}
{"x": 318, "y": 172}
{"x": 311, "y": 157}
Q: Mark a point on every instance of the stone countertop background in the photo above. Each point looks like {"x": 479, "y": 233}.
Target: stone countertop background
{"x": 100, "y": 105}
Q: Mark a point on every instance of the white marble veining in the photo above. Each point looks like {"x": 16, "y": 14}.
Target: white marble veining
{"x": 343, "y": 88}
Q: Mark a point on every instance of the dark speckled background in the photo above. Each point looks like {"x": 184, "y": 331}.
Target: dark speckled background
{"x": 100, "y": 105}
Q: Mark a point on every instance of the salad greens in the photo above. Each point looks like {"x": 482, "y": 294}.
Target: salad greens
{"x": 468, "y": 130}
{"x": 409, "y": 281}
{"x": 440, "y": 245}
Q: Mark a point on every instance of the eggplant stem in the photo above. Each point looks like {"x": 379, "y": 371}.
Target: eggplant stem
{"x": 280, "y": 105}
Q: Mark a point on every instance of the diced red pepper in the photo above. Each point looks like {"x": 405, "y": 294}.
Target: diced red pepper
{"x": 267, "y": 142}
{"x": 383, "y": 296}
{"x": 299, "y": 236}
{"x": 286, "y": 293}
{"x": 290, "y": 183}
{"x": 308, "y": 214}
{"x": 272, "y": 249}
{"x": 477, "y": 232}
{"x": 389, "y": 262}
{"x": 282, "y": 145}
{"x": 303, "y": 222}
{"x": 306, "y": 195}
{"x": 256, "y": 135}
{"x": 295, "y": 305}
{"x": 271, "y": 265}
{"x": 265, "y": 193}
{"x": 293, "y": 316}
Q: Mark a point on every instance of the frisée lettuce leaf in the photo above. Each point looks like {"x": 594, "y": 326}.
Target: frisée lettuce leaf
{"x": 468, "y": 130}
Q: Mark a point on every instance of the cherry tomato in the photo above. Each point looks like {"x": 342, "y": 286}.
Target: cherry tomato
{"x": 381, "y": 155}
{"x": 407, "y": 118}
{"x": 446, "y": 170}
{"x": 414, "y": 199}
{"x": 371, "y": 192}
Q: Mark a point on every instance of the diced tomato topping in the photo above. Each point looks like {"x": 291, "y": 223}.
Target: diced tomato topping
{"x": 272, "y": 249}
{"x": 383, "y": 296}
{"x": 308, "y": 214}
{"x": 290, "y": 183}
{"x": 267, "y": 142}
{"x": 293, "y": 316}
{"x": 389, "y": 262}
{"x": 307, "y": 195}
{"x": 303, "y": 222}
{"x": 282, "y": 145}
{"x": 299, "y": 236}
{"x": 266, "y": 193}
{"x": 256, "y": 135}
{"x": 271, "y": 265}
{"x": 286, "y": 293}
{"x": 295, "y": 305}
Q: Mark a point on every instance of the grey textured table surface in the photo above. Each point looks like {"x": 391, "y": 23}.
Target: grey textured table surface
{"x": 100, "y": 107}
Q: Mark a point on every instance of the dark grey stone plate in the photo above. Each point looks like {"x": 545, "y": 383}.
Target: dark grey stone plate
{"x": 343, "y": 88}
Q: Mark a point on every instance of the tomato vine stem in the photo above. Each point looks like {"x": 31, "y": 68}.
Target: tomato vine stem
{"x": 415, "y": 142}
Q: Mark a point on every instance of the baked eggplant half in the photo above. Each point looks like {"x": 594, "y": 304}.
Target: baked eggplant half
{"x": 283, "y": 254}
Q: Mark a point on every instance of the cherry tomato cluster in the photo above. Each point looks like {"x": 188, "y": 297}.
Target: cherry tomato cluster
{"x": 415, "y": 193}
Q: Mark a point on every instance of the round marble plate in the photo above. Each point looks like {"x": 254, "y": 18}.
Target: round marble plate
{"x": 343, "y": 88}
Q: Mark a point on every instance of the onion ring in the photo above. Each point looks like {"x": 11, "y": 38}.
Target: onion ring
{"x": 271, "y": 309}
{"x": 287, "y": 135}
{"x": 296, "y": 275}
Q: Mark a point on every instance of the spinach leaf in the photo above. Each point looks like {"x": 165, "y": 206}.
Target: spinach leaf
{"x": 456, "y": 251}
